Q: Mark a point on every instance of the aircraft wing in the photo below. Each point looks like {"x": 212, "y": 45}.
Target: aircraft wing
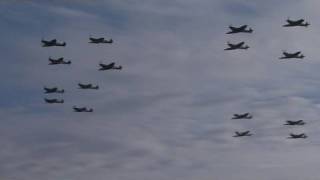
{"x": 285, "y": 53}
{"x": 51, "y": 89}
{"x": 300, "y": 21}
{"x": 233, "y": 28}
{"x": 107, "y": 65}
{"x": 240, "y": 44}
{"x": 245, "y": 114}
{"x": 242, "y": 27}
{"x": 297, "y": 53}
{"x": 230, "y": 45}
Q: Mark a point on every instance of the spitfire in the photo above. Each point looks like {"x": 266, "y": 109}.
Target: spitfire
{"x": 53, "y": 101}
{"x": 100, "y": 40}
{"x": 53, "y": 90}
{"x": 294, "y": 23}
{"x": 87, "y": 86}
{"x": 297, "y": 136}
{"x": 240, "y": 45}
{"x": 58, "y": 61}
{"x": 82, "y": 109}
{"x": 110, "y": 66}
{"x": 295, "y": 123}
{"x": 296, "y": 55}
{"x": 53, "y": 42}
{"x": 242, "y": 134}
{"x": 242, "y": 116}
{"x": 241, "y": 29}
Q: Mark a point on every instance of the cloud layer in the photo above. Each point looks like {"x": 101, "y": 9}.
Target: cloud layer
{"x": 166, "y": 115}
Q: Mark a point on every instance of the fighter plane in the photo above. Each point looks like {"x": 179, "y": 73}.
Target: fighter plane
{"x": 241, "y": 29}
{"x": 242, "y": 116}
{"x": 52, "y": 42}
{"x": 53, "y": 101}
{"x": 236, "y": 46}
{"x": 100, "y": 40}
{"x": 53, "y": 90}
{"x": 87, "y": 86}
{"x": 292, "y": 23}
{"x": 296, "y": 55}
{"x": 82, "y": 109}
{"x": 109, "y": 66}
{"x": 297, "y": 136}
{"x": 241, "y": 134}
{"x": 292, "y": 123}
{"x": 58, "y": 61}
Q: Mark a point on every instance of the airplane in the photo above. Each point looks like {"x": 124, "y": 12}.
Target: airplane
{"x": 241, "y": 29}
{"x": 53, "y": 101}
{"x": 100, "y": 40}
{"x": 52, "y": 42}
{"x": 292, "y": 123}
{"x": 109, "y": 66}
{"x": 241, "y": 134}
{"x": 58, "y": 61}
{"x": 52, "y": 90}
{"x": 297, "y": 136}
{"x": 82, "y": 109}
{"x": 296, "y": 55}
{"x": 242, "y": 116}
{"x": 236, "y": 46}
{"x": 292, "y": 23}
{"x": 87, "y": 86}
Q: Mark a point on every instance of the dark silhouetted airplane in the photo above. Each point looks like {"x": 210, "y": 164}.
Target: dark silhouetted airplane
{"x": 53, "y": 90}
{"x": 292, "y": 23}
{"x": 296, "y": 55}
{"x": 241, "y": 29}
{"x": 52, "y": 42}
{"x": 242, "y": 116}
{"x": 293, "y": 123}
{"x": 241, "y": 134}
{"x": 58, "y": 61}
{"x": 100, "y": 40}
{"x": 87, "y": 86}
{"x": 236, "y": 46}
{"x": 53, "y": 101}
{"x": 109, "y": 66}
{"x": 297, "y": 136}
{"x": 82, "y": 109}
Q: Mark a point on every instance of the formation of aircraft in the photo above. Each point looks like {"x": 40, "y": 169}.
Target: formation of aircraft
{"x": 53, "y": 101}
{"x": 52, "y": 61}
{"x": 87, "y": 86}
{"x": 110, "y": 66}
{"x": 296, "y": 55}
{"x": 100, "y": 40}
{"x": 240, "y": 45}
{"x": 81, "y": 109}
{"x": 297, "y": 136}
{"x": 241, "y": 29}
{"x": 293, "y": 23}
{"x": 53, "y": 90}
{"x": 293, "y": 123}
{"x": 242, "y": 134}
{"x": 242, "y": 116}
{"x": 53, "y": 42}
{"x": 58, "y": 61}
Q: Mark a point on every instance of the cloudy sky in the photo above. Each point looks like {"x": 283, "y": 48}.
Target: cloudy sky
{"x": 166, "y": 115}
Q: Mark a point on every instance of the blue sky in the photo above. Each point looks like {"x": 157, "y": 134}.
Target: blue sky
{"x": 166, "y": 115}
